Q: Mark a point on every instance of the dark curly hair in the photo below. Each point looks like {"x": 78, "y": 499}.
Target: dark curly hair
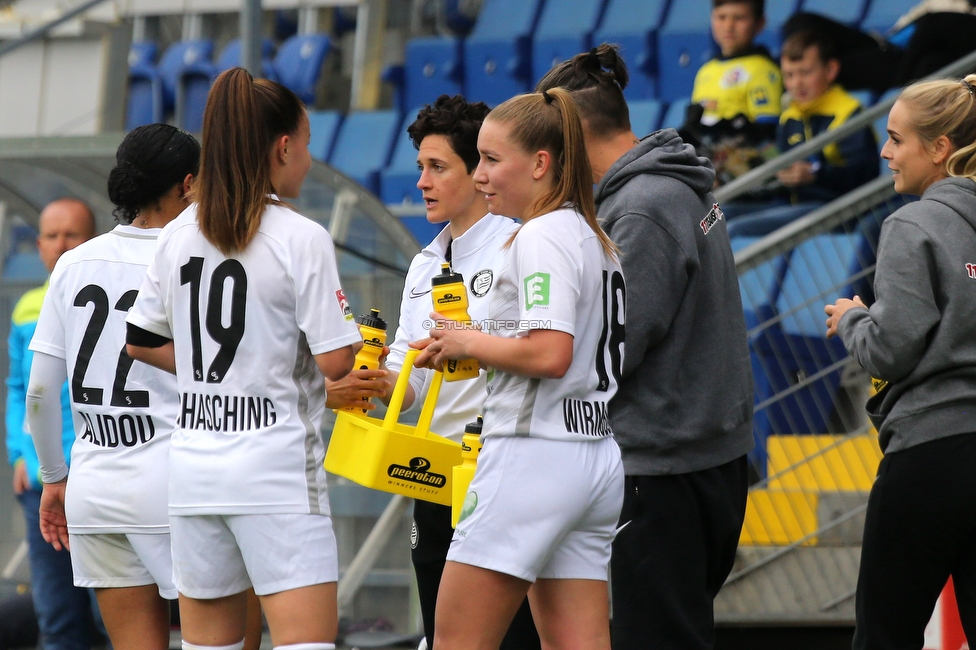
{"x": 456, "y": 119}
{"x": 596, "y": 82}
{"x": 149, "y": 162}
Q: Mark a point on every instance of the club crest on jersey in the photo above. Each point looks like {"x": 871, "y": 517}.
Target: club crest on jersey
{"x": 344, "y": 305}
{"x": 714, "y": 216}
{"x": 536, "y": 290}
{"x": 481, "y": 282}
{"x": 417, "y": 472}
{"x": 735, "y": 76}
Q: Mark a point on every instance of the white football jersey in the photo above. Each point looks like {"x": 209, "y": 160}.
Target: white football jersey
{"x": 558, "y": 277}
{"x": 124, "y": 412}
{"x": 245, "y": 328}
{"x": 478, "y": 256}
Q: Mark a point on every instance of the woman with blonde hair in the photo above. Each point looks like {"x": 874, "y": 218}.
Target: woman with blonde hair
{"x": 917, "y": 338}
{"x": 243, "y": 302}
{"x": 541, "y": 512}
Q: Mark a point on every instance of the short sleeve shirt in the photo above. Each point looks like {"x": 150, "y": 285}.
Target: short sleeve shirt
{"x": 245, "y": 329}
{"x": 559, "y": 277}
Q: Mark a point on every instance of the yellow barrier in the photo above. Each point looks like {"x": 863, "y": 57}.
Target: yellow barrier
{"x": 392, "y": 457}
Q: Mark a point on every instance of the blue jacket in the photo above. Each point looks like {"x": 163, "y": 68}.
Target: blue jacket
{"x": 842, "y": 166}
{"x": 20, "y": 446}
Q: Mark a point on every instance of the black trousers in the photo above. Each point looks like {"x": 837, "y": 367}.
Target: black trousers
{"x": 920, "y": 528}
{"x": 672, "y": 558}
{"x": 430, "y": 541}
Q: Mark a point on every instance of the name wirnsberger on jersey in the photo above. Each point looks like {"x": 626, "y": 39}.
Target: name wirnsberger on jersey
{"x": 588, "y": 418}
{"x": 111, "y": 431}
{"x": 227, "y": 413}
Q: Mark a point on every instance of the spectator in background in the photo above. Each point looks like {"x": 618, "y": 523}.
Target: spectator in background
{"x": 933, "y": 34}
{"x": 736, "y": 97}
{"x": 817, "y": 104}
{"x": 64, "y": 612}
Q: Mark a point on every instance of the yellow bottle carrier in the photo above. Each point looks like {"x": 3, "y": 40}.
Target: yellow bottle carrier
{"x": 391, "y": 457}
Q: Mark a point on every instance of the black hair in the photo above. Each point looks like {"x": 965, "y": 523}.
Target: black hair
{"x": 455, "y": 118}
{"x": 596, "y": 82}
{"x": 149, "y": 162}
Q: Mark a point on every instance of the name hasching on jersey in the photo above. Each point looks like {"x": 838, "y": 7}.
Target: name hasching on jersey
{"x": 225, "y": 413}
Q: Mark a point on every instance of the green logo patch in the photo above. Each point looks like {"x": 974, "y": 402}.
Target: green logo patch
{"x": 470, "y": 503}
{"x": 536, "y": 290}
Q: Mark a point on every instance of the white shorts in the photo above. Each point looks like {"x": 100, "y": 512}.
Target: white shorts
{"x": 106, "y": 561}
{"x": 221, "y": 555}
{"x": 542, "y": 509}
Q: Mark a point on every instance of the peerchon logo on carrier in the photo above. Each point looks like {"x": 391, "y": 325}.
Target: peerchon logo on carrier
{"x": 417, "y": 473}
{"x": 714, "y": 216}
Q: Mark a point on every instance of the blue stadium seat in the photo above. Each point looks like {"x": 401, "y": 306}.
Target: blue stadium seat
{"x": 633, "y": 25}
{"x": 324, "y": 126}
{"x": 185, "y": 61}
{"x": 684, "y": 44}
{"x": 675, "y": 115}
{"x": 298, "y": 64}
{"x": 23, "y": 265}
{"x": 363, "y": 146}
{"x": 882, "y": 14}
{"x": 796, "y": 349}
{"x": 498, "y": 53}
{"x": 777, "y": 14}
{"x": 433, "y": 68}
{"x": 849, "y": 12}
{"x": 759, "y": 287}
{"x": 230, "y": 57}
{"x": 398, "y": 182}
{"x": 645, "y": 116}
{"x": 864, "y": 97}
{"x": 23, "y": 262}
{"x": 145, "y": 101}
{"x": 565, "y": 29}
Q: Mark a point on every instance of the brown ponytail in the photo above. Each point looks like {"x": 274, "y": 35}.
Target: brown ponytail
{"x": 549, "y": 121}
{"x": 241, "y": 122}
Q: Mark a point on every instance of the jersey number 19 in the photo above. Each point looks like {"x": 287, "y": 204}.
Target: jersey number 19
{"x": 228, "y": 337}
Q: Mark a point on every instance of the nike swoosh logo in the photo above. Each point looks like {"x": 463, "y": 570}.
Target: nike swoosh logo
{"x": 414, "y": 294}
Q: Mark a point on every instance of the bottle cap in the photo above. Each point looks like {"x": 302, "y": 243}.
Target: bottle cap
{"x": 447, "y": 276}
{"x": 372, "y": 319}
{"x": 474, "y": 427}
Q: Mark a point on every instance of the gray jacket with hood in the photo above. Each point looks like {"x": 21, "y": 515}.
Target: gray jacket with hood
{"x": 919, "y": 333}
{"x": 685, "y": 400}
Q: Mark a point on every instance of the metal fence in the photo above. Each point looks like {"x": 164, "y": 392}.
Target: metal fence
{"x": 816, "y": 455}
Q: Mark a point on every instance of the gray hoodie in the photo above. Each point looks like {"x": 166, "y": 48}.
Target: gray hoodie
{"x": 685, "y": 401}
{"x": 919, "y": 333}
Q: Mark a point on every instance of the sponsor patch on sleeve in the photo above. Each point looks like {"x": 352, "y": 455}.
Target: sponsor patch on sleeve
{"x": 714, "y": 216}
{"x": 344, "y": 305}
